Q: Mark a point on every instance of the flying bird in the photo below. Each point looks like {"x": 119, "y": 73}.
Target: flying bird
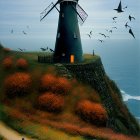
{"x": 101, "y": 40}
{"x": 44, "y": 49}
{"x": 125, "y": 7}
{"x": 114, "y": 27}
{"x": 104, "y": 35}
{"x": 110, "y": 31}
{"x": 24, "y": 32}
{"x": 130, "y": 18}
{"x": 90, "y": 32}
{"x": 51, "y": 50}
{"x": 114, "y": 18}
{"x": 131, "y": 32}
{"x": 126, "y": 25}
{"x": 89, "y": 35}
{"x": 119, "y": 9}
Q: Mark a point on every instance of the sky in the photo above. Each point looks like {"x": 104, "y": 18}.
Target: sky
{"x": 24, "y": 15}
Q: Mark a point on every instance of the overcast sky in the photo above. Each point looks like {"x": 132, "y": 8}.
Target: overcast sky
{"x": 24, "y": 15}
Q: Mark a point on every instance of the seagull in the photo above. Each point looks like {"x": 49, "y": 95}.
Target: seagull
{"x": 126, "y": 25}
{"x": 110, "y": 31}
{"x": 119, "y": 9}
{"x": 114, "y": 18}
{"x": 101, "y": 40}
{"x": 114, "y": 27}
{"x": 12, "y": 31}
{"x": 125, "y": 7}
{"x": 130, "y": 31}
{"x": 51, "y": 50}
{"x": 104, "y": 35}
{"x": 44, "y": 49}
{"x": 24, "y": 33}
{"x": 89, "y": 35}
{"x": 130, "y": 18}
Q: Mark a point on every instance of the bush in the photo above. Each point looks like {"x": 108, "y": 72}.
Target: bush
{"x": 92, "y": 112}
{"x": 51, "y": 102}
{"x": 7, "y": 63}
{"x": 47, "y": 82}
{"x": 22, "y": 63}
{"x": 62, "y": 86}
{"x": 55, "y": 84}
{"x": 17, "y": 84}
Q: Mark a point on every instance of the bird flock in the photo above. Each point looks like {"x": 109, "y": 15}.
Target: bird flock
{"x": 23, "y": 49}
{"x": 23, "y": 32}
{"x": 47, "y": 49}
{"x": 119, "y": 9}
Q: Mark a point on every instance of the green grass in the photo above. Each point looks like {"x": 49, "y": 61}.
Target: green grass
{"x": 90, "y": 58}
{"x": 35, "y": 130}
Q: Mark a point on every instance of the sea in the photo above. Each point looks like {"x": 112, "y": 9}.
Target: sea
{"x": 121, "y": 60}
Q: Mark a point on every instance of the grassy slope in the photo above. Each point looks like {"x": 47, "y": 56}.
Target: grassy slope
{"x": 43, "y": 129}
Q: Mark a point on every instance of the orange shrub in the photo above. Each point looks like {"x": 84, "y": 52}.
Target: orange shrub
{"x": 62, "y": 86}
{"x": 22, "y": 63}
{"x": 17, "y": 84}
{"x": 51, "y": 102}
{"x": 47, "y": 82}
{"x": 92, "y": 112}
{"x": 7, "y": 63}
{"x": 55, "y": 84}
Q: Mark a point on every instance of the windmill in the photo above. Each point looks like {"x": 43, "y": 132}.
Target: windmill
{"x": 68, "y": 47}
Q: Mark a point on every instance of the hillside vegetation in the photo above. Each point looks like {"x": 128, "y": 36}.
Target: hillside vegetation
{"x": 41, "y": 101}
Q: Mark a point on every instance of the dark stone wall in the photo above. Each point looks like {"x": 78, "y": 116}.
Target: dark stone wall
{"x": 93, "y": 74}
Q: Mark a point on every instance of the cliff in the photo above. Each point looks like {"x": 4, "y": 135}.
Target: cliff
{"x": 93, "y": 74}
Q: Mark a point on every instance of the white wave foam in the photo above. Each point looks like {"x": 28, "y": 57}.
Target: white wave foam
{"x": 127, "y": 97}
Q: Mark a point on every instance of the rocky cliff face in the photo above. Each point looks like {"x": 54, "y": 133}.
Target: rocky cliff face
{"x": 93, "y": 74}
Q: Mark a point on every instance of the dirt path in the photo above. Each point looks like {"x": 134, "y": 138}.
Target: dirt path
{"x": 10, "y": 134}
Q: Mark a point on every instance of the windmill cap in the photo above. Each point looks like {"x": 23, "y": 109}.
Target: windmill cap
{"x": 68, "y": 0}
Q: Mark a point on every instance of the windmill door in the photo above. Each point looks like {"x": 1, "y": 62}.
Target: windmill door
{"x": 71, "y": 58}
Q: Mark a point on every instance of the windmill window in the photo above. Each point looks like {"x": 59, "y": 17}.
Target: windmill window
{"x": 58, "y": 35}
{"x": 63, "y": 54}
{"x": 75, "y": 36}
{"x": 62, "y": 15}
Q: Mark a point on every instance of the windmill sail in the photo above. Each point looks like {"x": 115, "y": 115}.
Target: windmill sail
{"x": 82, "y": 15}
{"x": 47, "y": 10}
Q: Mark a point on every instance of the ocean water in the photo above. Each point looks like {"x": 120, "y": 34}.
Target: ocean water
{"x": 121, "y": 60}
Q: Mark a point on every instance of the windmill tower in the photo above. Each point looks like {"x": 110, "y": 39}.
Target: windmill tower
{"x": 68, "y": 47}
